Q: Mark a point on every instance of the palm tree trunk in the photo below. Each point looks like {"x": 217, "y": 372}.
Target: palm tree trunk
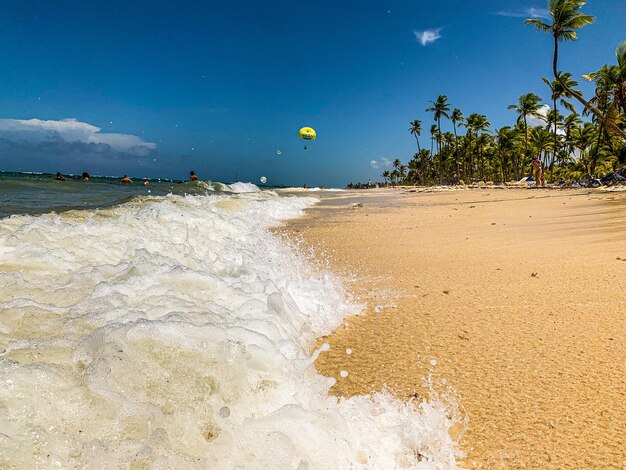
{"x": 526, "y": 150}
{"x": 554, "y": 150}
{"x": 439, "y": 136}
{"x": 456, "y": 139}
{"x": 456, "y": 151}
{"x": 469, "y": 164}
{"x": 418, "y": 143}
{"x": 481, "y": 161}
{"x": 594, "y": 160}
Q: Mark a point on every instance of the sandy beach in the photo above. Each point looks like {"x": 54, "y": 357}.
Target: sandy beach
{"x": 518, "y": 295}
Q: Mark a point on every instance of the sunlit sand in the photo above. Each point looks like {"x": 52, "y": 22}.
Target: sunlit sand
{"x": 518, "y": 295}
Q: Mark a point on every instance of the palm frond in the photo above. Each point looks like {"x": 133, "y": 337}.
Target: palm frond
{"x": 578, "y": 21}
{"x": 538, "y": 24}
{"x": 568, "y": 36}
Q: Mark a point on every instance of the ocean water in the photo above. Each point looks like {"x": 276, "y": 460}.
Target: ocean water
{"x": 37, "y": 193}
{"x": 176, "y": 331}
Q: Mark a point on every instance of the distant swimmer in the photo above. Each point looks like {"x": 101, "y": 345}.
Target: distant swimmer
{"x": 146, "y": 182}
{"x": 85, "y": 176}
{"x": 126, "y": 180}
{"x": 59, "y": 176}
{"x": 192, "y": 176}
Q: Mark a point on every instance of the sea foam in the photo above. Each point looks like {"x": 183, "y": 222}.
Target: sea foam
{"x": 176, "y": 332}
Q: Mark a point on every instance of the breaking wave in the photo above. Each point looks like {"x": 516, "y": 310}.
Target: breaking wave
{"x": 176, "y": 332}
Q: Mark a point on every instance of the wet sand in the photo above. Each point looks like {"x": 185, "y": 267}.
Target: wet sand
{"x": 518, "y": 295}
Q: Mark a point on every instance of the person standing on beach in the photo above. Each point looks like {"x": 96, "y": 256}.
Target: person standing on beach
{"x": 192, "y": 176}
{"x": 537, "y": 168}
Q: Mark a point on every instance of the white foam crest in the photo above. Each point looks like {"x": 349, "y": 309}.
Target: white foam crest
{"x": 237, "y": 188}
{"x": 314, "y": 189}
{"x": 240, "y": 187}
{"x": 176, "y": 332}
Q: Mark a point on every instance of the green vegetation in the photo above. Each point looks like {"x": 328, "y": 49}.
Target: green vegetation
{"x": 570, "y": 146}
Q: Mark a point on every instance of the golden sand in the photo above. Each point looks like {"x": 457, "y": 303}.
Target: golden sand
{"x": 520, "y": 297}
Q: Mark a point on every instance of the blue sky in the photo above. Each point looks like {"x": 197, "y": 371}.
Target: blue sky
{"x": 158, "y": 88}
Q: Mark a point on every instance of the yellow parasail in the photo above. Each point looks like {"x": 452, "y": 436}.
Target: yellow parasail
{"x": 307, "y": 133}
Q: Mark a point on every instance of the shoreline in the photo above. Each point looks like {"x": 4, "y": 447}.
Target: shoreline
{"x": 516, "y": 295}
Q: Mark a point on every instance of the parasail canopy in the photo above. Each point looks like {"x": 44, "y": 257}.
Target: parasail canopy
{"x": 307, "y": 133}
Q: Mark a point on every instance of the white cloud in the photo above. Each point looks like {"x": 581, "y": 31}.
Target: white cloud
{"x": 428, "y": 36}
{"x": 36, "y": 129}
{"x": 384, "y": 162}
{"x": 534, "y": 121}
{"x": 67, "y": 142}
{"x": 530, "y": 12}
{"x": 67, "y": 130}
{"x": 121, "y": 142}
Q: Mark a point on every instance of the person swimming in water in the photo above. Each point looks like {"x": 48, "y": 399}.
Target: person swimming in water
{"x": 146, "y": 182}
{"x": 126, "y": 180}
{"x": 59, "y": 176}
{"x": 192, "y": 176}
{"x": 85, "y": 177}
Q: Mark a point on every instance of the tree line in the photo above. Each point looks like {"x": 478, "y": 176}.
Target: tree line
{"x": 571, "y": 146}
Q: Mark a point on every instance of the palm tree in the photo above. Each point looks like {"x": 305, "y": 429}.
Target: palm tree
{"x": 480, "y": 123}
{"x": 566, "y": 19}
{"x": 528, "y": 105}
{"x": 440, "y": 108}
{"x": 559, "y": 92}
{"x": 397, "y": 169}
{"x": 555, "y": 117}
{"x": 456, "y": 117}
{"x": 610, "y": 80}
{"x": 505, "y": 145}
{"x": 402, "y": 172}
{"x": 582, "y": 138}
{"x": 475, "y": 123}
{"x": 386, "y": 175}
{"x": 605, "y": 79}
{"x": 394, "y": 177}
{"x": 433, "y": 134}
{"x": 414, "y": 168}
{"x": 425, "y": 164}
{"x": 570, "y": 123}
{"x": 540, "y": 141}
{"x": 416, "y": 130}
{"x": 482, "y": 141}
{"x": 620, "y": 83}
